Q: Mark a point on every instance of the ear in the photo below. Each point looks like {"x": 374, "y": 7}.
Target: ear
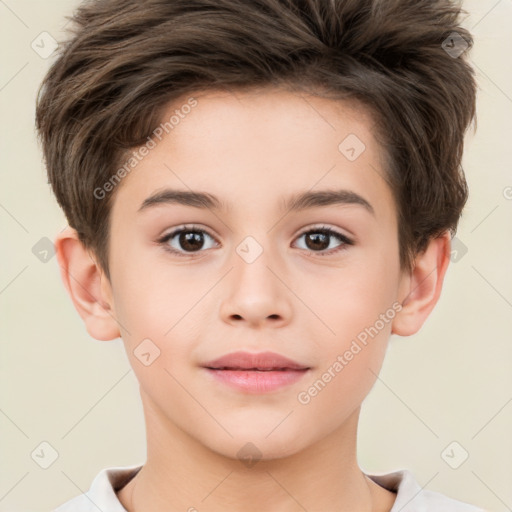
{"x": 420, "y": 289}
{"x": 87, "y": 286}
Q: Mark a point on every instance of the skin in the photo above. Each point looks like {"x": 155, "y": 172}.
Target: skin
{"x": 254, "y": 149}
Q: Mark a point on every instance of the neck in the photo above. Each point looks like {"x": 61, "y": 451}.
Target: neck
{"x": 183, "y": 474}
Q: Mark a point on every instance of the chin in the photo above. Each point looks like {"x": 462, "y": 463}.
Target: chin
{"x": 253, "y": 446}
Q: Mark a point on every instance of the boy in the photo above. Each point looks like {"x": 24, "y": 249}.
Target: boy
{"x": 311, "y": 150}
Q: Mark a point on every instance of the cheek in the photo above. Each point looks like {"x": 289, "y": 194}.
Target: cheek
{"x": 353, "y": 298}
{"x": 356, "y": 304}
{"x": 150, "y": 294}
{"x": 352, "y": 358}
{"x": 162, "y": 304}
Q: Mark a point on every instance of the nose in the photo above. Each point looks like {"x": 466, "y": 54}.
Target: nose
{"x": 255, "y": 294}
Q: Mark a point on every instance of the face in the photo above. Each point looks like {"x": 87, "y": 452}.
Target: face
{"x": 256, "y": 270}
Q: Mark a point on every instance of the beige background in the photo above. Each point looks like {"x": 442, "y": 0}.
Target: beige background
{"x": 451, "y": 382}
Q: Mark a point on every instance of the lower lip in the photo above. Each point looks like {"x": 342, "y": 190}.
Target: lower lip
{"x": 253, "y": 381}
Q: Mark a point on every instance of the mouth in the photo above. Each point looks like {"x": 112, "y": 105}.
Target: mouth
{"x": 256, "y": 373}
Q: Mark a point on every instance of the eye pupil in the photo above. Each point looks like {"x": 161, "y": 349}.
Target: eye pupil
{"x": 318, "y": 241}
{"x": 191, "y": 240}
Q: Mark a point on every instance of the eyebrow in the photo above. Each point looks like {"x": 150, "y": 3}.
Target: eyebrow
{"x": 294, "y": 203}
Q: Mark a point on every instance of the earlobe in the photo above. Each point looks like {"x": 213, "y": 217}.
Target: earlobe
{"x": 421, "y": 288}
{"x": 87, "y": 286}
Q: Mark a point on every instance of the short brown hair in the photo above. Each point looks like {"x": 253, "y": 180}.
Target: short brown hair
{"x": 128, "y": 59}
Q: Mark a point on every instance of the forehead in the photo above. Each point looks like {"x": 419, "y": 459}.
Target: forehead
{"x": 267, "y": 115}
{"x": 252, "y": 145}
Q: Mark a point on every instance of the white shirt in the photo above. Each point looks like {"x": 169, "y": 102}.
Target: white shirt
{"x": 410, "y": 497}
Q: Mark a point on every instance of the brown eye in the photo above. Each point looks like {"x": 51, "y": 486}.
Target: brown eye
{"x": 191, "y": 240}
{"x": 187, "y": 241}
{"x": 317, "y": 241}
{"x": 320, "y": 241}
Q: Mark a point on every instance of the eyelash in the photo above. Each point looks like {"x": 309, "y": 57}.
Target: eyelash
{"x": 325, "y": 230}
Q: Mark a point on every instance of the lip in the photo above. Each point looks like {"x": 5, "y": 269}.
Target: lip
{"x": 248, "y": 361}
{"x": 263, "y": 372}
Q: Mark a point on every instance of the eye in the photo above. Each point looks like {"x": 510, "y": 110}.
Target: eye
{"x": 186, "y": 241}
{"x": 319, "y": 240}
{"x": 189, "y": 241}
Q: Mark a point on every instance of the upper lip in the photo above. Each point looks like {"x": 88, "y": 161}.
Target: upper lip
{"x": 258, "y": 361}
